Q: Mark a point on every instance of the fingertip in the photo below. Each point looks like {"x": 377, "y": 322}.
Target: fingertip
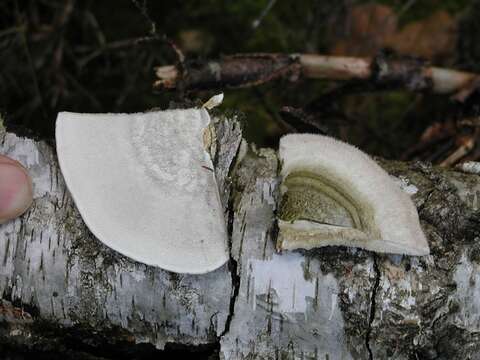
{"x": 16, "y": 192}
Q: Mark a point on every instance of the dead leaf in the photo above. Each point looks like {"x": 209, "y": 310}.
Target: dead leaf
{"x": 371, "y": 27}
{"x": 367, "y": 28}
{"x": 432, "y": 38}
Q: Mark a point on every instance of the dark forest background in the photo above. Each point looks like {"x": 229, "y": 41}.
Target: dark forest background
{"x": 98, "y": 56}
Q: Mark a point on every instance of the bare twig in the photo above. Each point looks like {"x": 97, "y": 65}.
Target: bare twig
{"x": 116, "y": 45}
{"x": 473, "y": 122}
{"x": 230, "y": 71}
{"x": 460, "y": 152}
{"x": 144, "y": 11}
{"x": 12, "y": 30}
{"x": 256, "y": 23}
{"x": 253, "y": 69}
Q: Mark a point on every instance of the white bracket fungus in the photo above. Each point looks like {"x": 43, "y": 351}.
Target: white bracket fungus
{"x": 144, "y": 185}
{"x": 334, "y": 194}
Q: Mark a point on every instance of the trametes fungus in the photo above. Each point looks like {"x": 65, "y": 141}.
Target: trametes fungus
{"x": 334, "y": 194}
{"x": 144, "y": 185}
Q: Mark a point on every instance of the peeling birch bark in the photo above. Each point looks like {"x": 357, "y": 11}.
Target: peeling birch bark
{"x": 291, "y": 305}
{"x": 335, "y": 303}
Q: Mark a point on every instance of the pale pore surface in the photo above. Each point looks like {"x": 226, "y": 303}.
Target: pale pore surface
{"x": 394, "y": 219}
{"x": 144, "y": 185}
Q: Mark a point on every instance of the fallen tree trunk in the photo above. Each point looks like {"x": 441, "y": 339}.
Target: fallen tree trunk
{"x": 64, "y": 290}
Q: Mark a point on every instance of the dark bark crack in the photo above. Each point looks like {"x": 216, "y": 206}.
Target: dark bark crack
{"x": 376, "y": 284}
{"x": 233, "y": 298}
{"x": 232, "y": 267}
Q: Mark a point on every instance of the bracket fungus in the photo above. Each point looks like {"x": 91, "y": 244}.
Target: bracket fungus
{"x": 334, "y": 194}
{"x": 143, "y": 183}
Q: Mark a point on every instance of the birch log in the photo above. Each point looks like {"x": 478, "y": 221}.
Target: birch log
{"x": 57, "y": 281}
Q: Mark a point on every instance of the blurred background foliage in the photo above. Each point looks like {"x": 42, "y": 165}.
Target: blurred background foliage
{"x": 94, "y": 56}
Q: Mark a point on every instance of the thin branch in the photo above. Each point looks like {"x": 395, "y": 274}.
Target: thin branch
{"x": 256, "y": 23}
{"x": 245, "y": 70}
{"x": 12, "y": 30}
{"x": 460, "y": 152}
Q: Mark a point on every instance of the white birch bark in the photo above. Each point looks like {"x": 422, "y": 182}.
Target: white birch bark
{"x": 330, "y": 303}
